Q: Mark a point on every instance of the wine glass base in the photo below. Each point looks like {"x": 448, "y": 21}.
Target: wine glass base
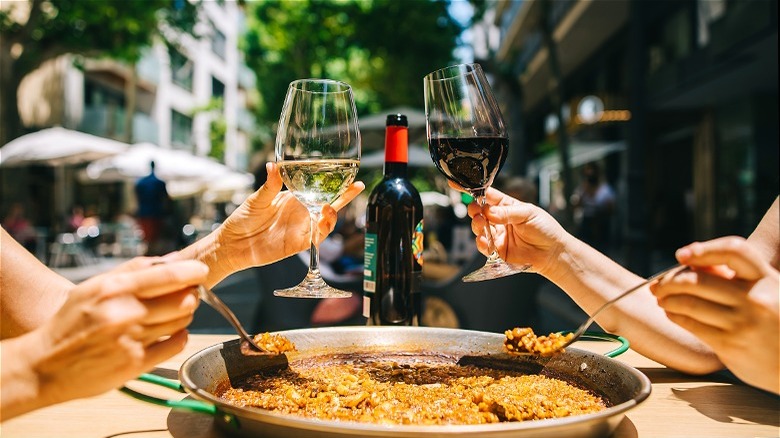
{"x": 493, "y": 270}
{"x": 312, "y": 288}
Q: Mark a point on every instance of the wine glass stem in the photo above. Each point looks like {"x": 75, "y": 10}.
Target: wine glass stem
{"x": 314, "y": 257}
{"x": 482, "y": 201}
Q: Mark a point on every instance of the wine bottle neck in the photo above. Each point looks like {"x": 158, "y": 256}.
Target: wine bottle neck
{"x": 394, "y": 169}
{"x": 396, "y": 147}
{"x": 397, "y": 144}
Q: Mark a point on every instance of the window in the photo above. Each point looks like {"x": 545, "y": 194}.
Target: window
{"x": 181, "y": 130}
{"x": 218, "y": 42}
{"x": 217, "y": 88}
{"x": 708, "y": 11}
{"x": 181, "y": 69}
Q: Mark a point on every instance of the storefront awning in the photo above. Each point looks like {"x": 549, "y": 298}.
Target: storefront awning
{"x": 580, "y": 153}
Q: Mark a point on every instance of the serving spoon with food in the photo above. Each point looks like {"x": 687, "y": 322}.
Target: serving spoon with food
{"x": 262, "y": 344}
{"x": 523, "y": 341}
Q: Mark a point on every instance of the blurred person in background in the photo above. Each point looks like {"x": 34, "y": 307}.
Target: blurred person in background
{"x": 62, "y": 341}
{"x": 20, "y": 228}
{"x": 522, "y": 189}
{"x": 724, "y": 312}
{"x": 76, "y": 218}
{"x": 594, "y": 200}
{"x": 154, "y": 205}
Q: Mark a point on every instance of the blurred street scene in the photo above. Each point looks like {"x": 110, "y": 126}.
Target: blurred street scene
{"x": 640, "y": 125}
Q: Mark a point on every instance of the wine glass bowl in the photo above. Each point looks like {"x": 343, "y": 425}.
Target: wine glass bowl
{"x": 318, "y": 153}
{"x": 468, "y": 142}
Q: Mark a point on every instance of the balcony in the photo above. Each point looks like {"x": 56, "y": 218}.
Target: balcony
{"x": 109, "y": 122}
{"x": 742, "y": 21}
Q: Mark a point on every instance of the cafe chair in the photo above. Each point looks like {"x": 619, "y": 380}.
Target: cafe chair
{"x": 494, "y": 305}
{"x": 278, "y": 313}
{"x": 67, "y": 249}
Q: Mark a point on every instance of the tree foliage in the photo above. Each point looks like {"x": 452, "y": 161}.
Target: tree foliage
{"x": 383, "y": 48}
{"x": 36, "y": 31}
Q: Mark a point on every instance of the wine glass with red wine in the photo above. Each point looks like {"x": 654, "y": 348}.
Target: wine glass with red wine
{"x": 468, "y": 142}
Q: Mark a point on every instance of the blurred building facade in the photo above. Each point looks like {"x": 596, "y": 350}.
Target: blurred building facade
{"x": 174, "y": 88}
{"x": 184, "y": 96}
{"x": 678, "y": 99}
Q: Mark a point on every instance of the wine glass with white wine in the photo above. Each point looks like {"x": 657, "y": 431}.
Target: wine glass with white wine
{"x": 318, "y": 153}
{"x": 468, "y": 142}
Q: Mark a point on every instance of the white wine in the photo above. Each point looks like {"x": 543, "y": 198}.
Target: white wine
{"x": 318, "y": 182}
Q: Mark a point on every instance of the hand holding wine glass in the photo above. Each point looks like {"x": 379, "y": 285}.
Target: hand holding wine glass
{"x": 318, "y": 153}
{"x": 468, "y": 142}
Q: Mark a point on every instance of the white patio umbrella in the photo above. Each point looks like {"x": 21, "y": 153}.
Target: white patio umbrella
{"x": 418, "y": 157}
{"x": 185, "y": 174}
{"x": 234, "y": 186}
{"x": 57, "y": 147}
{"x": 372, "y": 128}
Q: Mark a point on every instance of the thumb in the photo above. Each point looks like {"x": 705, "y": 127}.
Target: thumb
{"x": 265, "y": 194}
{"x": 734, "y": 252}
{"x": 515, "y": 214}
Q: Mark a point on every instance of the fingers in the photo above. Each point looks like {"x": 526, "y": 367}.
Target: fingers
{"x": 516, "y": 214}
{"x": 165, "y": 349}
{"x": 478, "y": 225}
{"x": 330, "y": 212}
{"x": 497, "y": 197}
{"x": 268, "y": 191}
{"x": 703, "y": 311}
{"x": 136, "y": 264}
{"x": 456, "y": 186}
{"x": 156, "y": 332}
{"x": 158, "y": 279}
{"x": 735, "y": 252}
{"x": 352, "y": 191}
{"x": 170, "y": 306}
{"x": 703, "y": 286}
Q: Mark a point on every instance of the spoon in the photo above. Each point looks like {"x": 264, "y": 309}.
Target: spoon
{"x": 248, "y": 345}
{"x": 574, "y": 336}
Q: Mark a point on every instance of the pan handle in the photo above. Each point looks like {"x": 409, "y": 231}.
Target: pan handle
{"x": 186, "y": 404}
{"x": 601, "y": 336}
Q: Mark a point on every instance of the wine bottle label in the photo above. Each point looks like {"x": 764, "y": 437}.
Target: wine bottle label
{"x": 417, "y": 242}
{"x": 369, "y": 273}
{"x": 369, "y": 265}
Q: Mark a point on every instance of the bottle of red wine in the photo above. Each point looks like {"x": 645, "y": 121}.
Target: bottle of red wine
{"x": 392, "y": 267}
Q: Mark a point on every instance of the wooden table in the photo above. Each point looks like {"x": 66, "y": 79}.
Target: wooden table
{"x": 679, "y": 406}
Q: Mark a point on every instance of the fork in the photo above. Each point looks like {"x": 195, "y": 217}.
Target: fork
{"x": 584, "y": 327}
{"x": 248, "y": 346}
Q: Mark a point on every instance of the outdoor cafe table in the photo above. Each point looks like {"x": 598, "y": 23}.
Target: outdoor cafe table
{"x": 679, "y": 406}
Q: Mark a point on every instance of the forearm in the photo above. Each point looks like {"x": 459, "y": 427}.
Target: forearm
{"x": 31, "y": 292}
{"x": 591, "y": 279}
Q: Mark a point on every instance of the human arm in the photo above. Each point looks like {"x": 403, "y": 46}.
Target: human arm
{"x": 102, "y": 333}
{"x": 38, "y": 291}
{"x": 269, "y": 226}
{"x": 526, "y": 234}
{"x": 730, "y": 301}
{"x": 766, "y": 236}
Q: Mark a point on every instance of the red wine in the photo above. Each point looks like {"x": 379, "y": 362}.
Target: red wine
{"x": 394, "y": 238}
{"x": 471, "y": 162}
